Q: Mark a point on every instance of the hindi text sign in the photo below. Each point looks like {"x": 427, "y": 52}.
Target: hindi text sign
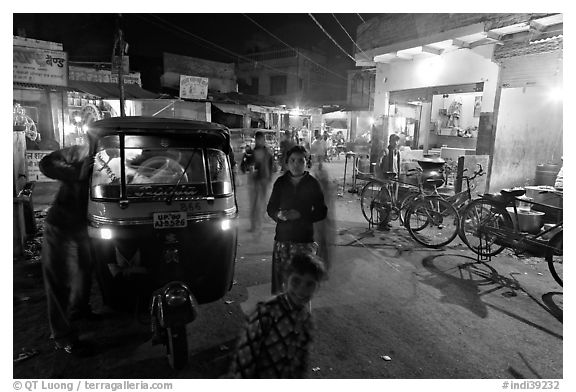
{"x": 193, "y": 87}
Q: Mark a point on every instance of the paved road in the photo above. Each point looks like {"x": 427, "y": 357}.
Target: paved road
{"x": 434, "y": 313}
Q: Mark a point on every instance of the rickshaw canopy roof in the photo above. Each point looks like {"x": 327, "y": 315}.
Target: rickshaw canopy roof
{"x": 148, "y": 125}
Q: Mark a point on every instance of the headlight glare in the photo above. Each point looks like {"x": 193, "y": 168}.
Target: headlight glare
{"x": 225, "y": 224}
{"x": 105, "y": 233}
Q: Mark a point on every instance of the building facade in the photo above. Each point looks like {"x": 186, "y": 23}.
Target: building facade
{"x": 297, "y": 78}
{"x": 471, "y": 82}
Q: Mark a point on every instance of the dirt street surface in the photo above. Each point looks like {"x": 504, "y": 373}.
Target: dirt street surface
{"x": 390, "y": 309}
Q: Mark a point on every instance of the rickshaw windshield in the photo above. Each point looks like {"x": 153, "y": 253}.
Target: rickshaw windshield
{"x": 154, "y": 165}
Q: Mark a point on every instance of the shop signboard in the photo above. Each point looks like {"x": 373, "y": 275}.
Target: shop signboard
{"x": 33, "y": 158}
{"x": 40, "y": 66}
{"x": 193, "y": 87}
{"x": 101, "y": 75}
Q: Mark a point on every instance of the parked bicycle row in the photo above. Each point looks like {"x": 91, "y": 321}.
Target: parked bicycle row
{"x": 487, "y": 224}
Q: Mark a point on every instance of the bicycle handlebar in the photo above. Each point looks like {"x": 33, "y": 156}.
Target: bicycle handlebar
{"x": 477, "y": 173}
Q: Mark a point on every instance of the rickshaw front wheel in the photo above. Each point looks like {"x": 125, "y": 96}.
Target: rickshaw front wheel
{"x": 177, "y": 347}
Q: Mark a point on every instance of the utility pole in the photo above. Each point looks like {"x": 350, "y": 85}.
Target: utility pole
{"x": 118, "y": 52}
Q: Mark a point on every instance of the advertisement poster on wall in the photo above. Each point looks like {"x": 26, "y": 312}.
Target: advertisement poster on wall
{"x": 41, "y": 66}
{"x": 33, "y": 165}
{"x": 193, "y": 87}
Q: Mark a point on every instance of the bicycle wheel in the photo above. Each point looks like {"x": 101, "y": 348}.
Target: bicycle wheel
{"x": 478, "y": 219}
{"x": 405, "y": 204}
{"x": 555, "y": 259}
{"x": 432, "y": 221}
{"x": 375, "y": 202}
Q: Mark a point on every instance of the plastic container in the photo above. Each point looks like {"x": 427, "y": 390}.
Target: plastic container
{"x": 546, "y": 174}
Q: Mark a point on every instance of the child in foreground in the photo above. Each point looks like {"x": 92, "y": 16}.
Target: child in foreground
{"x": 276, "y": 341}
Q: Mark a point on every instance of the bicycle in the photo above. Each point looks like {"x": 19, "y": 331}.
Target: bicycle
{"x": 429, "y": 219}
{"x": 380, "y": 200}
{"x": 460, "y": 199}
{"x": 487, "y": 228}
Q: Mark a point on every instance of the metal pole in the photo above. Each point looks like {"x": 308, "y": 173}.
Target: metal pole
{"x": 119, "y": 43}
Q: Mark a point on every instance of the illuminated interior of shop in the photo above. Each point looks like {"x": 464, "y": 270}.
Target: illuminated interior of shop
{"x": 433, "y": 117}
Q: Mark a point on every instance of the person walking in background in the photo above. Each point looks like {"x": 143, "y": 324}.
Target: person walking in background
{"x": 259, "y": 180}
{"x": 295, "y": 204}
{"x": 66, "y": 261}
{"x": 317, "y": 149}
{"x": 390, "y": 162}
{"x": 285, "y": 144}
{"x": 277, "y": 338}
{"x": 324, "y": 230}
{"x": 327, "y": 147}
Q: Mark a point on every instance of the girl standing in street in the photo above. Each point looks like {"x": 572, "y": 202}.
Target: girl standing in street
{"x": 296, "y": 202}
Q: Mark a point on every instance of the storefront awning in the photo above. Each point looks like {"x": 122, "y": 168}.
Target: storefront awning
{"x": 42, "y": 86}
{"x": 111, "y": 90}
{"x": 239, "y": 110}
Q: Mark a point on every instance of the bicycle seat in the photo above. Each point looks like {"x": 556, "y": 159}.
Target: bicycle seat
{"x": 496, "y": 197}
{"x": 515, "y": 192}
{"x": 389, "y": 175}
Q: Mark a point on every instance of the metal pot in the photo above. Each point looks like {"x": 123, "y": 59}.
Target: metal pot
{"x": 432, "y": 169}
{"x": 528, "y": 221}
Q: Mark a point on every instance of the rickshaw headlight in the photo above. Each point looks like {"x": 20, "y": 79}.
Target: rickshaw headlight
{"x": 225, "y": 224}
{"x": 105, "y": 233}
{"x": 176, "y": 296}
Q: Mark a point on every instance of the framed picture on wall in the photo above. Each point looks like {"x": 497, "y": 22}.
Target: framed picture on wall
{"x": 477, "y": 105}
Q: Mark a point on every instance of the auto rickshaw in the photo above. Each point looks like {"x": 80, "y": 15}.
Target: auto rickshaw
{"x": 162, "y": 215}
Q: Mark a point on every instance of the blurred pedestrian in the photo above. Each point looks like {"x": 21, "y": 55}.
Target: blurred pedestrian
{"x": 259, "y": 180}
{"x": 66, "y": 259}
{"x": 317, "y": 149}
{"x": 285, "y": 144}
{"x": 277, "y": 338}
{"x": 328, "y": 147}
{"x": 295, "y": 204}
{"x": 324, "y": 230}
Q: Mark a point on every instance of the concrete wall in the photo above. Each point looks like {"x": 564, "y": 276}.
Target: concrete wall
{"x": 528, "y": 132}
{"x": 388, "y": 29}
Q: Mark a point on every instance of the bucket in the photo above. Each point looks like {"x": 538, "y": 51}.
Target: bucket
{"x": 546, "y": 174}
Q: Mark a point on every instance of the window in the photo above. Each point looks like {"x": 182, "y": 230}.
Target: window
{"x": 154, "y": 165}
{"x": 254, "y": 88}
{"x": 278, "y": 85}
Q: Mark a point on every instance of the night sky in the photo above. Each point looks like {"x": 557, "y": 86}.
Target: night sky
{"x": 218, "y": 37}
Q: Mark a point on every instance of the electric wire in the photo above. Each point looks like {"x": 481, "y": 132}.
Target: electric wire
{"x": 329, "y": 36}
{"x": 185, "y": 32}
{"x": 361, "y": 18}
{"x": 237, "y": 55}
{"x": 291, "y": 47}
{"x": 351, "y": 39}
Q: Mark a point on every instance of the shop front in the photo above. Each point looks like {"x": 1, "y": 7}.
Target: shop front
{"x": 432, "y": 118}
{"x": 470, "y": 84}
{"x": 438, "y": 102}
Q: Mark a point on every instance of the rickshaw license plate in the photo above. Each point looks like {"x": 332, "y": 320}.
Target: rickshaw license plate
{"x": 169, "y": 220}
